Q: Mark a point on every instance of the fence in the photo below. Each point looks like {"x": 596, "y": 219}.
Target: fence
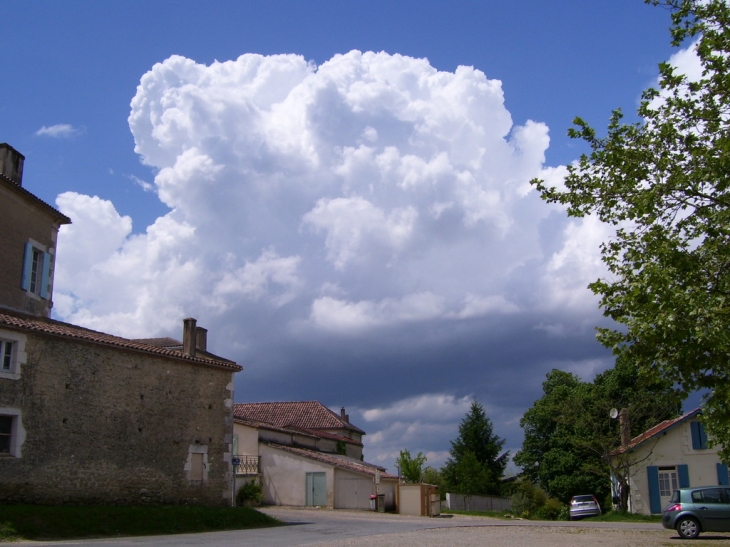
{"x": 461, "y": 502}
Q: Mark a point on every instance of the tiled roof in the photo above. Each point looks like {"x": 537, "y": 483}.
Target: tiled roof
{"x": 165, "y": 342}
{"x": 302, "y": 414}
{"x": 657, "y": 429}
{"x": 73, "y": 332}
{"x": 60, "y": 217}
{"x": 343, "y": 463}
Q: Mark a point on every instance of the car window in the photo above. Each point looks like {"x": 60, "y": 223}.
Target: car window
{"x": 675, "y": 497}
{"x": 711, "y": 495}
{"x": 582, "y": 499}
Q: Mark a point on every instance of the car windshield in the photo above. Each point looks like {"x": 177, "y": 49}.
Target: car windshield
{"x": 583, "y": 499}
{"x": 675, "y": 497}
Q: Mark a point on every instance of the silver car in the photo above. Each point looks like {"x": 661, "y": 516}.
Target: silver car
{"x": 584, "y": 506}
{"x": 699, "y": 509}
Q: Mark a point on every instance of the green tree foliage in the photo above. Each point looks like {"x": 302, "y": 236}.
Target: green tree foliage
{"x": 663, "y": 183}
{"x": 431, "y": 475}
{"x": 477, "y": 463}
{"x": 411, "y": 469}
{"x": 570, "y": 438}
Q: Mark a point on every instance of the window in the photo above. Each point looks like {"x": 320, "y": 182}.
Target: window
{"x": 12, "y": 434}
{"x": 37, "y": 267}
{"x": 710, "y": 495}
{"x": 6, "y": 433}
{"x": 6, "y": 355}
{"x": 12, "y": 354}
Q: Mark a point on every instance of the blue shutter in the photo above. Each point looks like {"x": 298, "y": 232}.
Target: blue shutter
{"x": 655, "y": 503}
{"x": 27, "y": 267}
{"x": 703, "y": 435}
{"x": 46, "y": 277}
{"x": 722, "y": 475}
{"x": 696, "y": 441}
{"x": 683, "y": 474}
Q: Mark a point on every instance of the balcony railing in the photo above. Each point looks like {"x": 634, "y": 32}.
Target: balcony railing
{"x": 249, "y": 465}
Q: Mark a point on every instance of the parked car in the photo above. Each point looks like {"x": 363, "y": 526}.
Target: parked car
{"x": 584, "y": 506}
{"x": 700, "y": 509}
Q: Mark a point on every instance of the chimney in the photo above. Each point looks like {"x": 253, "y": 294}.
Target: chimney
{"x": 11, "y": 163}
{"x": 624, "y": 426}
{"x": 344, "y": 417}
{"x": 201, "y": 338}
{"x": 189, "y": 336}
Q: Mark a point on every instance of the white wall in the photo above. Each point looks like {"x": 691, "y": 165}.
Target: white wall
{"x": 284, "y": 477}
{"x": 248, "y": 439}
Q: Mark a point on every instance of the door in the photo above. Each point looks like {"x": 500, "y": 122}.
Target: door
{"x": 711, "y": 508}
{"x": 668, "y": 483}
{"x": 316, "y": 489}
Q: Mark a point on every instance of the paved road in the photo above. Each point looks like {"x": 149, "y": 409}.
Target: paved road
{"x": 328, "y": 528}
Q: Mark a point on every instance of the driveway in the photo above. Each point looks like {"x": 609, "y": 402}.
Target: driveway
{"x": 328, "y": 528}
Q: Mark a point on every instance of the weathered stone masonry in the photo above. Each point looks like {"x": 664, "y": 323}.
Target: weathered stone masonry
{"x": 112, "y": 425}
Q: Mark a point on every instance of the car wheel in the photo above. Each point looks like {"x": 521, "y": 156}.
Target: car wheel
{"x": 688, "y": 528}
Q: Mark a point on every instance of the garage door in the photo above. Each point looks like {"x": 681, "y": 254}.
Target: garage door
{"x": 353, "y": 493}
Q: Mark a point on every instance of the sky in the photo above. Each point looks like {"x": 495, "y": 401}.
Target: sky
{"x": 338, "y": 191}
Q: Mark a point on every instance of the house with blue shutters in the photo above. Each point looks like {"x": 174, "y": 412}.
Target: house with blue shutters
{"x": 673, "y": 454}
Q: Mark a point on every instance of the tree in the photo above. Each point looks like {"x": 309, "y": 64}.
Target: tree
{"x": 663, "y": 183}
{"x": 411, "y": 469}
{"x": 476, "y": 465}
{"x": 553, "y": 454}
{"x": 571, "y": 445}
{"x": 431, "y": 475}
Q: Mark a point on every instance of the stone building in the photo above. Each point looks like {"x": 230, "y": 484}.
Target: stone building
{"x": 88, "y": 417}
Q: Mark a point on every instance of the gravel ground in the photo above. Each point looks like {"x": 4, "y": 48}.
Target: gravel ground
{"x": 529, "y": 536}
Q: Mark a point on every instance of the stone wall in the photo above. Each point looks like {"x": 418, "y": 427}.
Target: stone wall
{"x": 106, "y": 425}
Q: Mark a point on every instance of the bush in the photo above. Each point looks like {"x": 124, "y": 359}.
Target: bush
{"x": 531, "y": 501}
{"x": 251, "y": 493}
{"x": 551, "y": 510}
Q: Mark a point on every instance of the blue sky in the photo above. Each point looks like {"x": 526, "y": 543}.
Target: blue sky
{"x": 400, "y": 319}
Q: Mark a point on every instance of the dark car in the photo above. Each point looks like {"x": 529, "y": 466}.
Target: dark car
{"x": 584, "y": 506}
{"x": 700, "y": 509}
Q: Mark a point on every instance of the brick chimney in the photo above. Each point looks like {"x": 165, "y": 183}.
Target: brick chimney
{"x": 11, "y": 163}
{"x": 189, "y": 336}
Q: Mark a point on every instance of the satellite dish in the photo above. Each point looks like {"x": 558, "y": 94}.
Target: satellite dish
{"x": 613, "y": 413}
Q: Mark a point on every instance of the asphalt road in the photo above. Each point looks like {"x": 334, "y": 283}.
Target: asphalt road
{"x": 328, "y": 528}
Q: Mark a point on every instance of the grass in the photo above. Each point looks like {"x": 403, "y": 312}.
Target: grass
{"x": 35, "y": 522}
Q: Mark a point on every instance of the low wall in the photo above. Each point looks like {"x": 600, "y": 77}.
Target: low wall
{"x": 461, "y": 502}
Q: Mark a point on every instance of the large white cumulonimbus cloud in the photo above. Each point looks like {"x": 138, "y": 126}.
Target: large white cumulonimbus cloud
{"x": 368, "y": 191}
{"x": 312, "y": 206}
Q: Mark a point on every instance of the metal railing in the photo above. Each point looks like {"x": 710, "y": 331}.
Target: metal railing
{"x": 249, "y": 465}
